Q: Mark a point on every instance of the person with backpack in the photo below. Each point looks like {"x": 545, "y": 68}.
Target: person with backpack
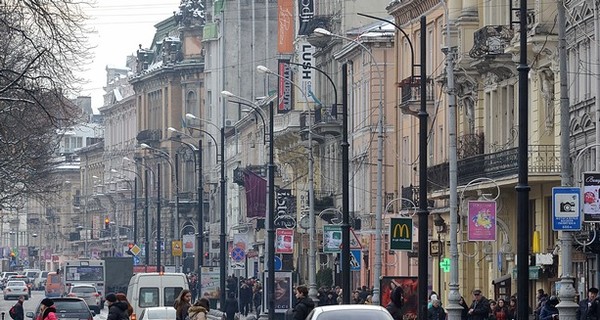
{"x": 16, "y": 312}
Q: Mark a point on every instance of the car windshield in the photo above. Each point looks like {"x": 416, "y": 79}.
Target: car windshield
{"x": 16, "y": 284}
{"x": 44, "y": 274}
{"x": 353, "y": 314}
{"x": 83, "y": 290}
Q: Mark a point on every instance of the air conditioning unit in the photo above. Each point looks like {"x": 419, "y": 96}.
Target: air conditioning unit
{"x": 229, "y": 123}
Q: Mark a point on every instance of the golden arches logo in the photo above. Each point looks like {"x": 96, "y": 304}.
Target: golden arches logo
{"x": 401, "y": 230}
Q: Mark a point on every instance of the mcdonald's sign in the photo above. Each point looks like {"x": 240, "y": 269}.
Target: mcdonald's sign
{"x": 401, "y": 234}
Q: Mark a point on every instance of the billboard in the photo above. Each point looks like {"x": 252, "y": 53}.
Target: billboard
{"x": 306, "y": 12}
{"x": 210, "y": 284}
{"x": 401, "y": 234}
{"x": 283, "y": 291}
{"x": 284, "y": 241}
{"x": 410, "y": 295}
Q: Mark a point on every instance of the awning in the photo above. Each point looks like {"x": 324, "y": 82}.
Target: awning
{"x": 501, "y": 279}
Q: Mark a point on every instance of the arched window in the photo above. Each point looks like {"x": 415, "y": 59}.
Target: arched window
{"x": 191, "y": 103}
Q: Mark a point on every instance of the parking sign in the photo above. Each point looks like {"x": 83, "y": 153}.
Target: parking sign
{"x": 566, "y": 209}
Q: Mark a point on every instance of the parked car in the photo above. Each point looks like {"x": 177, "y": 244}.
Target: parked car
{"x": 158, "y": 313}
{"x": 349, "y": 312}
{"x": 40, "y": 282}
{"x": 67, "y": 308}
{"x": 89, "y": 293}
{"x": 22, "y": 278}
{"x": 15, "y": 289}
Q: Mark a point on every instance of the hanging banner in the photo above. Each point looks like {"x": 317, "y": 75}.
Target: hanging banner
{"x": 401, "y": 234}
{"x": 256, "y": 194}
{"x": 189, "y": 243}
{"x": 285, "y": 26}
{"x": 591, "y": 196}
{"x": 286, "y": 96}
{"x": 482, "y": 220}
{"x": 306, "y": 12}
{"x": 305, "y": 72}
{"x": 284, "y": 242}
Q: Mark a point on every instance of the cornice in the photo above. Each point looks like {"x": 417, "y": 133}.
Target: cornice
{"x": 405, "y": 11}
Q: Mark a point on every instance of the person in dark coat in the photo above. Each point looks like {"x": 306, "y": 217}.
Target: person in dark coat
{"x": 480, "y": 308}
{"x": 245, "y": 298}
{"x": 231, "y": 306}
{"x": 395, "y": 305}
{"x": 588, "y": 308}
{"x": 117, "y": 310}
{"x": 19, "y": 312}
{"x": 464, "y": 315}
{"x": 257, "y": 298}
{"x": 304, "y": 305}
{"x": 549, "y": 310}
{"x": 436, "y": 312}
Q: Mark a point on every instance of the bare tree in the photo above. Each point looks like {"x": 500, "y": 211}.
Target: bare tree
{"x": 44, "y": 46}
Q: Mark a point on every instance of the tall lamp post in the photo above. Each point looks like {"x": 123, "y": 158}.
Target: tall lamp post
{"x": 379, "y": 202}
{"x": 222, "y": 235}
{"x": 311, "y": 204}
{"x": 135, "y": 199}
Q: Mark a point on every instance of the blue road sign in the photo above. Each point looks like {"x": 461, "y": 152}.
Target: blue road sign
{"x": 566, "y": 209}
{"x": 278, "y": 263}
{"x": 355, "y": 260}
{"x": 136, "y": 260}
{"x": 238, "y": 254}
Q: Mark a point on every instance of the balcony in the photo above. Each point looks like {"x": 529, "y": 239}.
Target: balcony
{"x": 325, "y": 122}
{"x": 491, "y": 41}
{"x": 149, "y": 136}
{"x": 238, "y": 173}
{"x": 543, "y": 159}
{"x": 410, "y": 100}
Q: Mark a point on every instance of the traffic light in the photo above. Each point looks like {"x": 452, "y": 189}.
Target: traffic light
{"x": 106, "y": 223}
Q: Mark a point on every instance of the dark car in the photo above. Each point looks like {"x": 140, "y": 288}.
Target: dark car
{"x": 67, "y": 308}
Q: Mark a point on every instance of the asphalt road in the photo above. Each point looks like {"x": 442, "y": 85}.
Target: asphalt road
{"x": 31, "y": 305}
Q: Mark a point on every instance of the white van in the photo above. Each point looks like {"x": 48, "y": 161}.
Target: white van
{"x": 155, "y": 289}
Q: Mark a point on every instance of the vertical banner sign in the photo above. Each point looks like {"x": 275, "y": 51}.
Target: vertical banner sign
{"x": 286, "y": 97}
{"x": 591, "y": 196}
{"x": 332, "y": 238}
{"x": 306, "y": 72}
{"x": 210, "y": 282}
{"x": 566, "y": 208}
{"x": 284, "y": 242}
{"x": 285, "y": 207}
{"x": 285, "y": 26}
{"x": 306, "y": 12}
{"x": 189, "y": 245}
{"x": 176, "y": 248}
{"x": 401, "y": 232}
{"x": 482, "y": 221}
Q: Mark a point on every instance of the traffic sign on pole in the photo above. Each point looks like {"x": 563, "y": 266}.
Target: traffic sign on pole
{"x": 566, "y": 208}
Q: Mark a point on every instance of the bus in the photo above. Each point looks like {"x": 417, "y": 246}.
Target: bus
{"x": 84, "y": 271}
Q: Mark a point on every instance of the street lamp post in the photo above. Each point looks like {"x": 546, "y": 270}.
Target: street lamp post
{"x": 222, "y": 234}
{"x": 379, "y": 202}
{"x": 311, "y": 203}
{"x": 135, "y": 199}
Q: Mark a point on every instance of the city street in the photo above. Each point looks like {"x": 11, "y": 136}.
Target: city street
{"x": 31, "y": 305}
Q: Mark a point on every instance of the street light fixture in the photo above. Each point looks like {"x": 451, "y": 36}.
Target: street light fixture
{"x": 312, "y": 293}
{"x": 222, "y": 234}
{"x": 379, "y": 202}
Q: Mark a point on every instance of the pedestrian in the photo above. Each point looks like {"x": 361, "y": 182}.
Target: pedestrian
{"x": 304, "y": 305}
{"x": 512, "y": 308}
{"x": 199, "y": 310}
{"x": 436, "y": 312}
{"x": 47, "y": 310}
{"x": 245, "y": 298}
{"x": 542, "y": 297}
{"x": 480, "y": 308}
{"x": 549, "y": 310}
{"x": 588, "y": 308}
{"x": 16, "y": 312}
{"x": 396, "y": 302}
{"x": 231, "y": 306}
{"x": 464, "y": 314}
{"x": 501, "y": 310}
{"x": 257, "y": 298}
{"x": 117, "y": 310}
{"x": 182, "y": 304}
{"x": 123, "y": 298}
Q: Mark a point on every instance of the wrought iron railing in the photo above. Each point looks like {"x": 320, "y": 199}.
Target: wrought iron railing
{"x": 543, "y": 159}
{"x": 491, "y": 40}
{"x": 411, "y": 90}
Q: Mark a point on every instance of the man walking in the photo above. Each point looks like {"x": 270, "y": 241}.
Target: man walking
{"x": 16, "y": 312}
{"x": 304, "y": 305}
{"x": 480, "y": 308}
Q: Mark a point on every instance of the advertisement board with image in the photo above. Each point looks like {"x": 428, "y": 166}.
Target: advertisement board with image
{"x": 591, "y": 196}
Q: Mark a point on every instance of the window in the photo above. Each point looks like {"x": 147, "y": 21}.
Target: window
{"x": 191, "y": 103}
{"x": 149, "y": 298}
{"x": 171, "y": 294}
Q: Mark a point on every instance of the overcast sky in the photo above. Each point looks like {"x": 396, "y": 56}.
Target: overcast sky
{"x": 121, "y": 26}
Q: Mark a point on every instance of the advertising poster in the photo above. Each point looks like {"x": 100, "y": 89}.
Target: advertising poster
{"x": 284, "y": 241}
{"x": 283, "y": 291}
{"x": 591, "y": 196}
{"x": 285, "y": 26}
{"x": 189, "y": 243}
{"x": 401, "y": 231}
{"x": 482, "y": 221}
{"x": 410, "y": 296}
{"x": 210, "y": 286}
{"x": 286, "y": 97}
{"x": 332, "y": 238}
